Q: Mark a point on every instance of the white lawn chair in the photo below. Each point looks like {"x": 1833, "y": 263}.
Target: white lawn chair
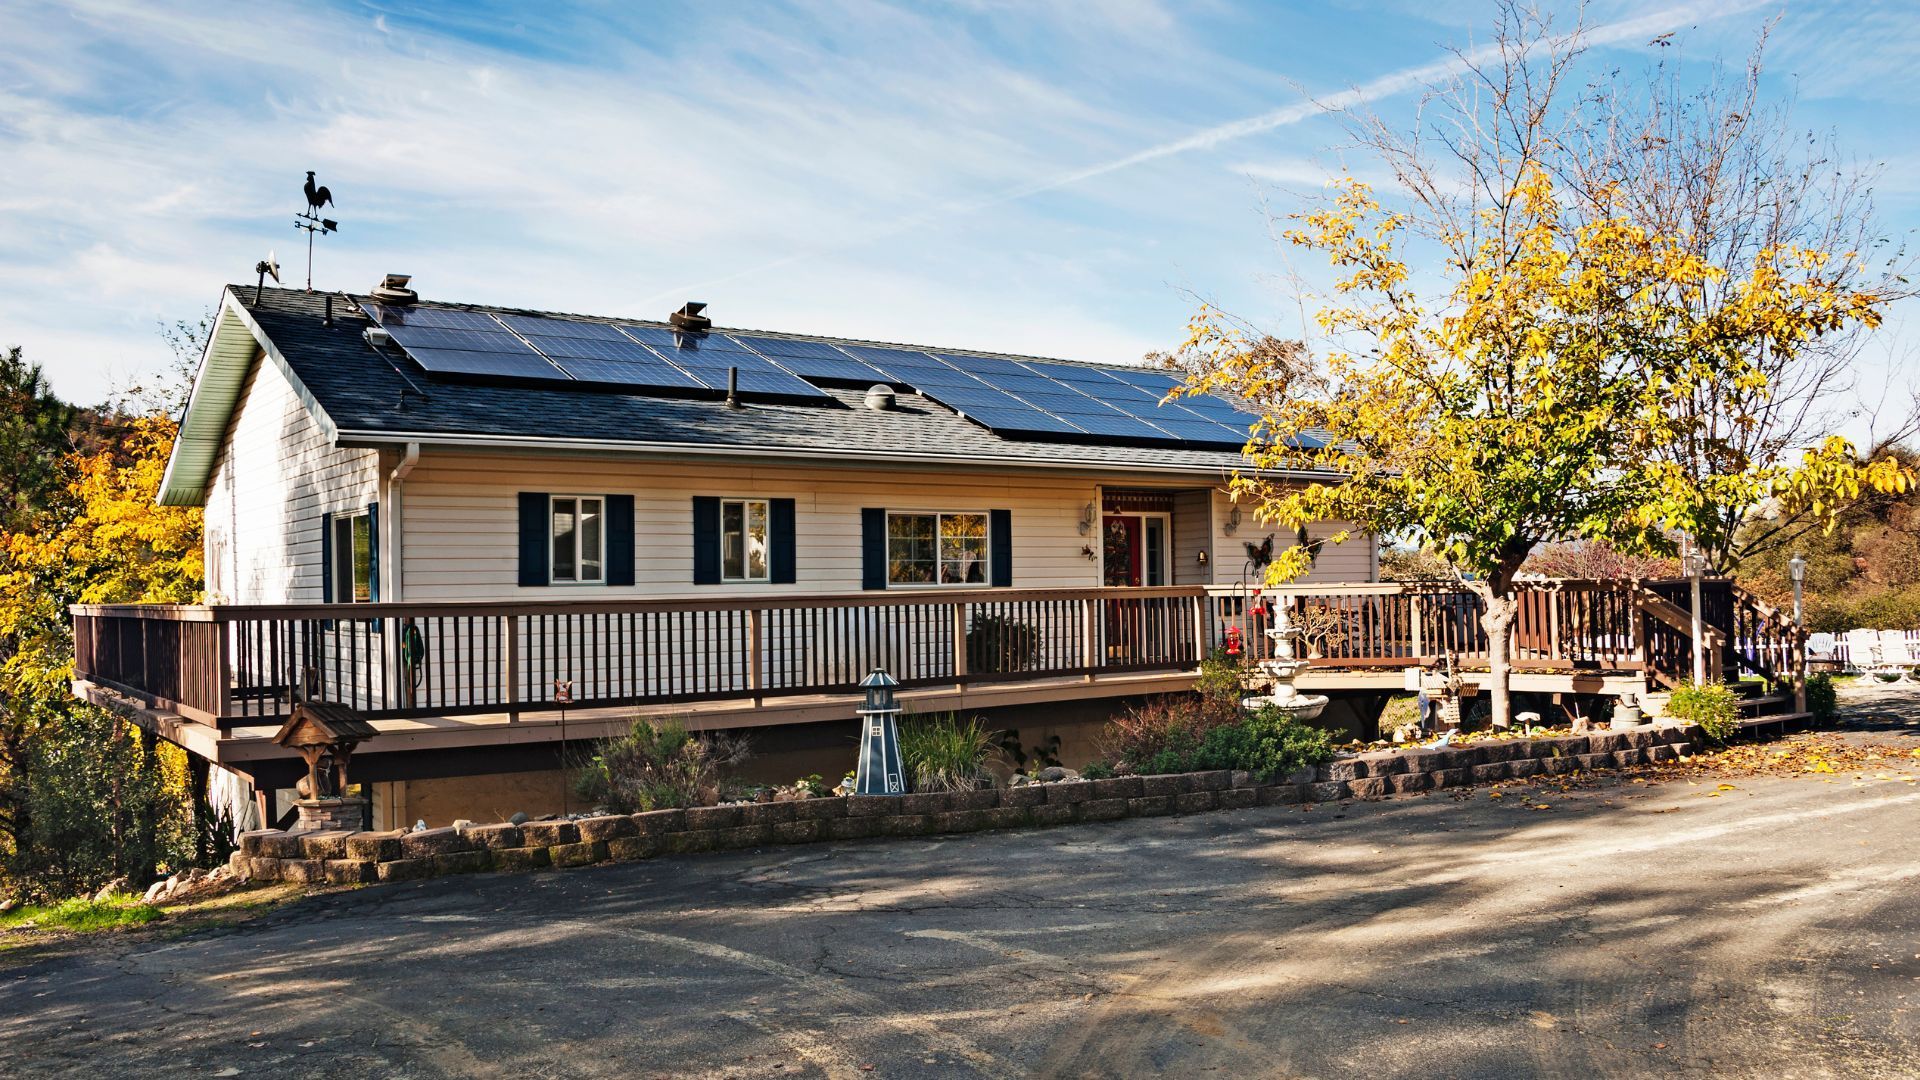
{"x": 1863, "y": 652}
{"x": 1894, "y": 652}
{"x": 1821, "y": 648}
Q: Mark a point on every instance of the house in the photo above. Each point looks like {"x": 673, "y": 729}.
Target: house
{"x": 498, "y": 534}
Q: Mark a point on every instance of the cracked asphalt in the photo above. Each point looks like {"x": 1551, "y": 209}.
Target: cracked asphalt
{"x": 1769, "y": 929}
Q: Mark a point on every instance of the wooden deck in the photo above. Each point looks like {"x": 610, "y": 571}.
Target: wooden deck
{"x": 218, "y": 679}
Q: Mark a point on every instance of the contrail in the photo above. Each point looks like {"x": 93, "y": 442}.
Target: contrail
{"x": 1646, "y": 26}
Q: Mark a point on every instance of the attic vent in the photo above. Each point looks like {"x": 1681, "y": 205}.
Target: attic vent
{"x": 689, "y": 317}
{"x": 880, "y": 398}
{"x": 393, "y": 290}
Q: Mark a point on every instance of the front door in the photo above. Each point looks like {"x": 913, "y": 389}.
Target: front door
{"x": 1135, "y": 554}
{"x": 1124, "y": 557}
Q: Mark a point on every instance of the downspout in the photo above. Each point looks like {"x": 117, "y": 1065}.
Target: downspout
{"x": 396, "y": 559}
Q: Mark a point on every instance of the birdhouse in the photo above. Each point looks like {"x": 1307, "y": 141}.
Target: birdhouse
{"x": 879, "y": 771}
{"x": 322, "y": 730}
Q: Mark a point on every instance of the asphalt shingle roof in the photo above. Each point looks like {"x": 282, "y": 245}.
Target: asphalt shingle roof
{"x": 375, "y": 395}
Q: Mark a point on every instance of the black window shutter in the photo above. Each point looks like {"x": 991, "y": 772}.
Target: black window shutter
{"x": 536, "y": 567}
{"x": 619, "y": 539}
{"x": 373, "y": 552}
{"x": 1000, "y": 546}
{"x": 706, "y": 540}
{"x": 873, "y": 548}
{"x": 780, "y": 527}
{"x": 326, "y": 558}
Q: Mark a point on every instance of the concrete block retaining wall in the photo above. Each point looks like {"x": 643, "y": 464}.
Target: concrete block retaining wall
{"x": 349, "y": 858}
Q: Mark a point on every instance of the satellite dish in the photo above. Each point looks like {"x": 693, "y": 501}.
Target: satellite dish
{"x": 273, "y": 268}
{"x": 267, "y": 267}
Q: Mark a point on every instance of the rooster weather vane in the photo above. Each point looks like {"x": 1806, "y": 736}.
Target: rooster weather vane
{"x": 311, "y": 222}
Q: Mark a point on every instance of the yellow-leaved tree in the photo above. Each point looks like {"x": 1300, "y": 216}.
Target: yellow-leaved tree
{"x": 1532, "y": 400}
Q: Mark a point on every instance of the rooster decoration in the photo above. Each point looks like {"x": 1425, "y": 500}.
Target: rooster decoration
{"x": 317, "y": 197}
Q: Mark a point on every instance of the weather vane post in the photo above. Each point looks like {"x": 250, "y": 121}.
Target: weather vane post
{"x": 311, "y": 222}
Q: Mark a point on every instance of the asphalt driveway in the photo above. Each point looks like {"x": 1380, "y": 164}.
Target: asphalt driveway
{"x": 1767, "y": 928}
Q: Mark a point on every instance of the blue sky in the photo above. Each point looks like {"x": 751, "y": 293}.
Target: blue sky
{"x": 1059, "y": 177}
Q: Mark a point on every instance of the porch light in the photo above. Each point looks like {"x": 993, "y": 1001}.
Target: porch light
{"x": 1797, "y": 568}
{"x": 1086, "y": 519}
{"x": 879, "y": 771}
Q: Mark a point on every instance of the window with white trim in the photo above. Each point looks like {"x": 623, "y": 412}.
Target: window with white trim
{"x": 352, "y": 559}
{"x": 744, "y": 539}
{"x": 937, "y": 549}
{"x": 579, "y": 539}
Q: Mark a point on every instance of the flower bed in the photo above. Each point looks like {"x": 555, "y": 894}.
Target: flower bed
{"x": 362, "y": 857}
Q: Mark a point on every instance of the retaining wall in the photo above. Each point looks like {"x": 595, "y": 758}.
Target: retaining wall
{"x": 342, "y": 857}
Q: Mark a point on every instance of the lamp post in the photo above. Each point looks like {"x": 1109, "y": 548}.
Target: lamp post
{"x": 1797, "y": 570}
{"x": 1696, "y": 564}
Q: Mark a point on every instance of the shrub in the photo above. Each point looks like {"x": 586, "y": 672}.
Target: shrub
{"x": 1140, "y": 737}
{"x": 1268, "y": 744}
{"x": 1711, "y": 705}
{"x": 1822, "y": 701}
{"x": 1218, "y": 689}
{"x": 659, "y": 766}
{"x": 998, "y": 644}
{"x": 944, "y": 753}
{"x": 1096, "y": 770}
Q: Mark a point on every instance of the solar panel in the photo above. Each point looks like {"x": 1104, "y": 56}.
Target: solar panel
{"x": 707, "y": 357}
{"x": 893, "y": 362}
{"x": 461, "y": 343}
{"x": 390, "y": 316}
{"x": 562, "y": 328}
{"x": 812, "y": 359}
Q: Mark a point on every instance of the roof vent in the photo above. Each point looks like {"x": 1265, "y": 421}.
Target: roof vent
{"x": 689, "y": 317}
{"x": 880, "y": 398}
{"x": 393, "y": 290}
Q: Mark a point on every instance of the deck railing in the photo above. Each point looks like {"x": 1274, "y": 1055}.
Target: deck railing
{"x": 246, "y": 665}
{"x": 233, "y": 665}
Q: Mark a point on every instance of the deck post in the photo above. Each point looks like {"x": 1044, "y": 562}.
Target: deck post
{"x": 222, "y": 671}
{"x": 754, "y": 672}
{"x": 510, "y": 669}
{"x": 1200, "y": 609}
{"x": 1090, "y": 636}
{"x": 1417, "y": 612}
{"x": 960, "y": 672}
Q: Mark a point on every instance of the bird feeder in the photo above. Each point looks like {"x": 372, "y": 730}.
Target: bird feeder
{"x": 325, "y": 734}
{"x": 879, "y": 771}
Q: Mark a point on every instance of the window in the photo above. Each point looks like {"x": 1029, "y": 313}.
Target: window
{"x": 936, "y": 549}
{"x": 352, "y": 559}
{"x": 743, "y": 540}
{"x": 579, "y": 540}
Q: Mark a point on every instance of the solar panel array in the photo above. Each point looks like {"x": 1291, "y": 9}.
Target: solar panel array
{"x": 1013, "y": 397}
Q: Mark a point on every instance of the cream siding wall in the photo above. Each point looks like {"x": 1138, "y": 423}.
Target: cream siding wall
{"x": 1355, "y": 560}
{"x": 462, "y": 521}
{"x": 275, "y": 476}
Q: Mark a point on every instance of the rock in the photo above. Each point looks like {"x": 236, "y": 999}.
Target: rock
{"x": 117, "y": 885}
{"x": 1054, "y": 773}
{"x": 1582, "y": 725}
{"x": 462, "y": 824}
{"x": 154, "y": 891}
{"x": 518, "y": 818}
{"x": 1018, "y": 781}
{"x": 8, "y": 905}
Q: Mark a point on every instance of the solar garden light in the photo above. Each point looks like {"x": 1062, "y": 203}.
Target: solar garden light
{"x": 1797, "y": 570}
{"x": 879, "y": 771}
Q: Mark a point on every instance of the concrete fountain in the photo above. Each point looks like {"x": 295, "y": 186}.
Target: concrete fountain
{"x": 1280, "y": 670}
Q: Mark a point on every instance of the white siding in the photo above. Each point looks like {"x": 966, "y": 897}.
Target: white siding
{"x": 462, "y": 521}
{"x": 274, "y": 478}
{"x": 1352, "y": 561}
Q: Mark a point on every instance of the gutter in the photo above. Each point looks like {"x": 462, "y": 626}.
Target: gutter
{"x": 396, "y": 481}
{"x": 802, "y": 455}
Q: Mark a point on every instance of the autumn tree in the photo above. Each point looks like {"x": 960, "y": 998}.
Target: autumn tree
{"x": 1512, "y": 352}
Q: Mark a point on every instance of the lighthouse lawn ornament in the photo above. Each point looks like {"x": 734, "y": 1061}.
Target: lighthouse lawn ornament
{"x": 879, "y": 771}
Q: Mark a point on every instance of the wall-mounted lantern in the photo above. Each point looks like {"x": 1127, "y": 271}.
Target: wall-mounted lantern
{"x": 1086, "y": 519}
{"x": 1233, "y": 521}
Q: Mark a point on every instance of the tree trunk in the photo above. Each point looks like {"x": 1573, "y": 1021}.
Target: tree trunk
{"x": 1498, "y": 621}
